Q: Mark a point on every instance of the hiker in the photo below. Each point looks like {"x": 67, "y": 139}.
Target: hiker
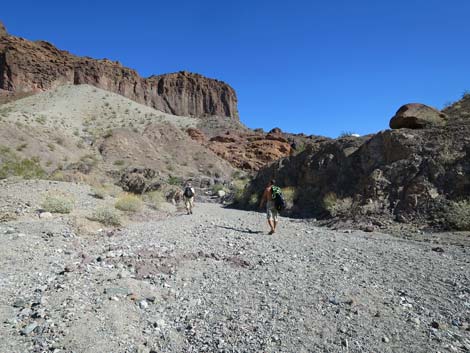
{"x": 188, "y": 196}
{"x": 271, "y": 211}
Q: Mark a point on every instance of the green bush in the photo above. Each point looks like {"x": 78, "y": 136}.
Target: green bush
{"x": 106, "y": 216}
{"x": 12, "y": 165}
{"x": 217, "y": 187}
{"x": 457, "y": 215}
{"x": 57, "y": 204}
{"x": 172, "y": 180}
{"x": 129, "y": 203}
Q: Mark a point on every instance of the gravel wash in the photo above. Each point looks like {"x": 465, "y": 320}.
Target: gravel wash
{"x": 215, "y": 281}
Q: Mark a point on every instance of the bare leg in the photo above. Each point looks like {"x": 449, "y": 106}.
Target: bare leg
{"x": 274, "y": 225}
{"x": 271, "y": 225}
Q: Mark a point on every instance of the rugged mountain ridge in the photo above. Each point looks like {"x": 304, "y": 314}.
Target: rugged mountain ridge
{"x": 27, "y": 66}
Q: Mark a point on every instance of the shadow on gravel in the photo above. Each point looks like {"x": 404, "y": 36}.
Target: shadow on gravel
{"x": 249, "y": 231}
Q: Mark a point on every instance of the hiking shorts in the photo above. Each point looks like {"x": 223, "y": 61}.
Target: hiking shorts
{"x": 189, "y": 202}
{"x": 271, "y": 211}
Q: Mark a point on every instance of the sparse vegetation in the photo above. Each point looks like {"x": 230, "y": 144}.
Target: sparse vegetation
{"x": 12, "y": 165}
{"x": 58, "y": 203}
{"x": 173, "y": 180}
{"x": 21, "y": 147}
{"x": 106, "y": 216}
{"x": 99, "y": 193}
{"x": 41, "y": 119}
{"x": 346, "y": 134}
{"x": 119, "y": 162}
{"x": 337, "y": 206}
{"x": 289, "y": 193}
{"x": 218, "y": 187}
{"x": 457, "y": 214}
{"x": 128, "y": 203}
{"x": 155, "y": 199}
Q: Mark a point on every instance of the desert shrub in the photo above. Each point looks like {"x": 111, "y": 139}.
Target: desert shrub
{"x": 58, "y": 203}
{"x": 51, "y": 146}
{"x": 155, "y": 199}
{"x": 58, "y": 176}
{"x": 337, "y": 206}
{"x": 21, "y": 147}
{"x": 119, "y": 162}
{"x": 289, "y": 194}
{"x": 457, "y": 214}
{"x": 217, "y": 187}
{"x": 99, "y": 193}
{"x": 128, "y": 203}
{"x": 253, "y": 200}
{"x": 173, "y": 180}
{"x": 346, "y": 134}
{"x": 41, "y": 119}
{"x": 12, "y": 165}
{"x": 239, "y": 190}
{"x": 106, "y": 216}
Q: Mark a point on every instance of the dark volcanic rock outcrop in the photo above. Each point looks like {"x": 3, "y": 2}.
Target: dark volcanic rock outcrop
{"x": 27, "y": 66}
{"x": 417, "y": 116}
{"x": 3, "y": 30}
{"x": 407, "y": 175}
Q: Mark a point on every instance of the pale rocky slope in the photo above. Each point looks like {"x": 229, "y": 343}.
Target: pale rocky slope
{"x": 70, "y": 124}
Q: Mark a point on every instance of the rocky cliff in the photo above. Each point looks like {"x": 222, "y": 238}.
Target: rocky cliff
{"x": 27, "y": 66}
{"x": 418, "y": 175}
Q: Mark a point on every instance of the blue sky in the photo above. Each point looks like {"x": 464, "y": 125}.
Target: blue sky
{"x": 318, "y": 67}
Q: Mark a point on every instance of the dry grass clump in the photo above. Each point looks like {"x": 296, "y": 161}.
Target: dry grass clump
{"x": 239, "y": 189}
{"x": 106, "y": 216}
{"x": 99, "y": 192}
{"x": 129, "y": 203}
{"x": 155, "y": 199}
{"x": 58, "y": 203}
{"x": 289, "y": 193}
{"x": 338, "y": 206}
{"x": 457, "y": 215}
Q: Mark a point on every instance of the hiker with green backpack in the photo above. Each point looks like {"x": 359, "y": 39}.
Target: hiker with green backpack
{"x": 275, "y": 202}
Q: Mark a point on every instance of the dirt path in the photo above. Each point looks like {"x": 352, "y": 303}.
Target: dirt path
{"x": 216, "y": 282}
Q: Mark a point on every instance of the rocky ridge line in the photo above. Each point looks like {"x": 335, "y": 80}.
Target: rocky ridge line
{"x": 27, "y": 66}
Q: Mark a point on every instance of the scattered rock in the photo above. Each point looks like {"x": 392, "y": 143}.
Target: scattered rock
{"x": 29, "y": 328}
{"x": 437, "y": 249}
{"x": 45, "y": 215}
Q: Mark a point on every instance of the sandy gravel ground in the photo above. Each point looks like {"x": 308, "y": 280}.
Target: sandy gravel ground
{"x": 216, "y": 282}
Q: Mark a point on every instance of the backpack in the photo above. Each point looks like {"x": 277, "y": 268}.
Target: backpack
{"x": 188, "y": 192}
{"x": 279, "y": 201}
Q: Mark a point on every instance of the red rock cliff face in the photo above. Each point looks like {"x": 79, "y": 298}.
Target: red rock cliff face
{"x": 27, "y": 66}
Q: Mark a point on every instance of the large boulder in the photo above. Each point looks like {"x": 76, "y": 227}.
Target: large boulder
{"x": 417, "y": 116}
{"x": 139, "y": 180}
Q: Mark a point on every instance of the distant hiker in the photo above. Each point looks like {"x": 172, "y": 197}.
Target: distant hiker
{"x": 271, "y": 210}
{"x": 188, "y": 196}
